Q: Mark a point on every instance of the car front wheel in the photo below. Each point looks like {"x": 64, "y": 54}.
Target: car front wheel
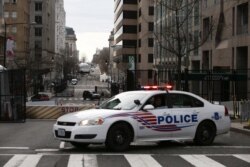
{"x": 119, "y": 137}
{"x": 205, "y": 133}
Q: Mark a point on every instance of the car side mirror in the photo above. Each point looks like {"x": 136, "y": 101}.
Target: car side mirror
{"x": 148, "y": 107}
{"x": 137, "y": 102}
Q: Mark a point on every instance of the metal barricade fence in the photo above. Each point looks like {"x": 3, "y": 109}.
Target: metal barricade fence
{"x": 12, "y": 96}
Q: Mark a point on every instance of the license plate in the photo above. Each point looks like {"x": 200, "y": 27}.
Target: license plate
{"x": 61, "y": 132}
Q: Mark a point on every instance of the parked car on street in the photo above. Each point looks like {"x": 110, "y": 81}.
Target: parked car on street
{"x": 74, "y": 81}
{"x": 90, "y": 95}
{"x": 40, "y": 97}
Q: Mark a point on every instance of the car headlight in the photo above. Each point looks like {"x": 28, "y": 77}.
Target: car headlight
{"x": 87, "y": 122}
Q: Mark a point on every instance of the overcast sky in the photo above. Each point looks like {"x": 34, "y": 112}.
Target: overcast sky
{"x": 92, "y": 21}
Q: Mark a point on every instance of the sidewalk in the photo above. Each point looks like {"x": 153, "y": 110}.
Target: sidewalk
{"x": 240, "y": 126}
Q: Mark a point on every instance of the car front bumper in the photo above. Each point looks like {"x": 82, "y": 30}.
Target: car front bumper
{"x": 86, "y": 134}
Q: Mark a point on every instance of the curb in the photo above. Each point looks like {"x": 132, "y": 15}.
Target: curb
{"x": 242, "y": 131}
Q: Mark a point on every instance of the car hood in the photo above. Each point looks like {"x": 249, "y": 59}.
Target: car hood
{"x": 89, "y": 114}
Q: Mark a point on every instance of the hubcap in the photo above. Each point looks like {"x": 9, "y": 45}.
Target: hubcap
{"x": 119, "y": 139}
{"x": 205, "y": 134}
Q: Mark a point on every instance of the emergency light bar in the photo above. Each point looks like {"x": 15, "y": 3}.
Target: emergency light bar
{"x": 154, "y": 87}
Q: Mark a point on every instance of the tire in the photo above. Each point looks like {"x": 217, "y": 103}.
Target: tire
{"x": 205, "y": 133}
{"x": 79, "y": 145}
{"x": 119, "y": 137}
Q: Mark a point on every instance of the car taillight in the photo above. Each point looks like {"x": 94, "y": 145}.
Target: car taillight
{"x": 226, "y": 111}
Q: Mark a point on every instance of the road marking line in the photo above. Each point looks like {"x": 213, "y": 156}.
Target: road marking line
{"x": 233, "y": 147}
{"x": 15, "y": 148}
{"x": 141, "y": 160}
{"x": 244, "y": 157}
{"x": 62, "y": 144}
{"x": 46, "y": 150}
{"x": 201, "y": 161}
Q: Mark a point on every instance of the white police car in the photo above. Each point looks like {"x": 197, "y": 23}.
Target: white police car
{"x": 145, "y": 116}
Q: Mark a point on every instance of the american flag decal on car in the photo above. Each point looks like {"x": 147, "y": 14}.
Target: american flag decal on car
{"x": 149, "y": 121}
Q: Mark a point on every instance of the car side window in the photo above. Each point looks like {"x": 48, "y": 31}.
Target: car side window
{"x": 158, "y": 101}
{"x": 184, "y": 101}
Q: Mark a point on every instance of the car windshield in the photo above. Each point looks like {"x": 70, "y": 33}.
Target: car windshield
{"x": 122, "y": 102}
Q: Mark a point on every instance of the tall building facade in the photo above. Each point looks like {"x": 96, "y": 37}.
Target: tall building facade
{"x": 228, "y": 48}
{"x": 133, "y": 39}
{"x": 177, "y": 29}
{"x": 72, "y": 55}
{"x": 15, "y": 27}
{"x": 220, "y": 30}
{"x": 47, "y": 42}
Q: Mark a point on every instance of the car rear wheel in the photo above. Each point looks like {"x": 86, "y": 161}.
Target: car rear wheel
{"x": 205, "y": 133}
{"x": 80, "y": 145}
{"x": 119, "y": 137}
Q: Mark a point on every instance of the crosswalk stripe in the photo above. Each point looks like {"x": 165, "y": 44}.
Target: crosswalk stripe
{"x": 23, "y": 161}
{"x": 142, "y": 160}
{"x": 90, "y": 161}
{"x": 133, "y": 160}
{"x": 79, "y": 160}
{"x": 243, "y": 157}
{"x": 201, "y": 161}
{"x": 75, "y": 160}
{"x": 15, "y": 161}
{"x": 31, "y": 161}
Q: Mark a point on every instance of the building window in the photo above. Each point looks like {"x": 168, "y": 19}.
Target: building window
{"x": 150, "y": 73}
{"x": 6, "y": 14}
{"x": 129, "y": 2}
{"x": 151, "y": 11}
{"x": 139, "y": 27}
{"x": 139, "y": 58}
{"x": 206, "y": 27}
{"x": 38, "y": 19}
{"x": 14, "y": 29}
{"x": 38, "y": 44}
{"x": 129, "y": 14}
{"x": 150, "y": 26}
{"x": 139, "y": 43}
{"x": 38, "y": 32}
{"x": 150, "y": 42}
{"x": 242, "y": 18}
{"x": 38, "y": 6}
{"x": 14, "y": 15}
{"x": 150, "y": 58}
{"x": 14, "y": 1}
{"x": 131, "y": 29}
{"x": 205, "y": 4}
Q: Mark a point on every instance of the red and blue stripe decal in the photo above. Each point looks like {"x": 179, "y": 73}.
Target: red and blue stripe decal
{"x": 149, "y": 121}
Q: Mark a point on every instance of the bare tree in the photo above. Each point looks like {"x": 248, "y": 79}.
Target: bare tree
{"x": 176, "y": 37}
{"x": 102, "y": 58}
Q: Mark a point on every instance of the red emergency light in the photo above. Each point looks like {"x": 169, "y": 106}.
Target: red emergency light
{"x": 155, "y": 87}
